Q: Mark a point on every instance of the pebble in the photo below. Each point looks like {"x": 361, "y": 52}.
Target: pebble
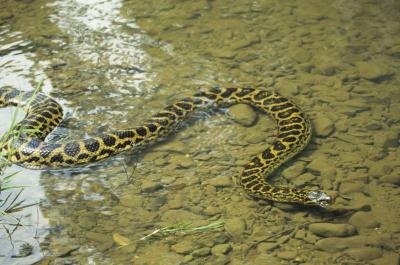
{"x": 387, "y": 139}
{"x": 363, "y": 219}
{"x": 321, "y": 165}
{"x": 350, "y": 187}
{"x": 181, "y": 161}
{"x": 235, "y": 227}
{"x": 185, "y": 246}
{"x": 303, "y": 180}
{"x": 323, "y": 126}
{"x": 365, "y": 253}
{"x": 336, "y": 244}
{"x": 373, "y": 70}
{"x": 389, "y": 258}
{"x": 265, "y": 247}
{"x": 287, "y": 255}
{"x": 212, "y": 210}
{"x": 332, "y": 230}
{"x": 221, "y": 249}
{"x": 221, "y": 181}
{"x": 295, "y": 170}
{"x": 243, "y": 114}
{"x": 391, "y": 178}
{"x": 150, "y": 185}
{"x": 201, "y": 252}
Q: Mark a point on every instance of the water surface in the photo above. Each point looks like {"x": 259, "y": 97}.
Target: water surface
{"x": 112, "y": 64}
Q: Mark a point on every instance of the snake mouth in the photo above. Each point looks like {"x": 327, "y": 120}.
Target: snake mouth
{"x": 319, "y": 198}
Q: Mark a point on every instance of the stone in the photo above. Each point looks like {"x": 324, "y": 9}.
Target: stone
{"x": 149, "y": 185}
{"x": 332, "y": 230}
{"x": 99, "y": 237}
{"x": 321, "y": 165}
{"x": 323, "y": 126}
{"x": 350, "y": 187}
{"x": 373, "y": 70}
{"x": 235, "y": 228}
{"x": 295, "y": 170}
{"x": 336, "y": 244}
{"x": 221, "y": 181}
{"x": 265, "y": 247}
{"x": 287, "y": 255}
{"x": 365, "y": 253}
{"x": 212, "y": 210}
{"x": 387, "y": 139}
{"x": 363, "y": 219}
{"x": 303, "y": 180}
{"x": 392, "y": 178}
{"x": 221, "y": 249}
{"x": 181, "y": 161}
{"x": 243, "y": 114}
{"x": 389, "y": 258}
{"x": 201, "y": 252}
{"x": 185, "y": 246}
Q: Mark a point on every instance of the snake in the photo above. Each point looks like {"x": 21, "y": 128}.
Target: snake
{"x": 28, "y": 146}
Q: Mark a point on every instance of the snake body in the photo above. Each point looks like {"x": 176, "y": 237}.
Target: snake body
{"x": 43, "y": 114}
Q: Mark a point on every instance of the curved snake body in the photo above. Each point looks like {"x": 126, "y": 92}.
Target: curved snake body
{"x": 29, "y": 148}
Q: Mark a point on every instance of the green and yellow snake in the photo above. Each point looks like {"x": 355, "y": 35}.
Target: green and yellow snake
{"x": 29, "y": 148}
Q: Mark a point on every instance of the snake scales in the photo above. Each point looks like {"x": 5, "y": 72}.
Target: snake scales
{"x": 43, "y": 114}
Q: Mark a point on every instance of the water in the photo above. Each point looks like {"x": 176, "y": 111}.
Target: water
{"x": 114, "y": 63}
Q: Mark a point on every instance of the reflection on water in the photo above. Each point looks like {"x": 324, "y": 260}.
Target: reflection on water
{"x": 114, "y": 63}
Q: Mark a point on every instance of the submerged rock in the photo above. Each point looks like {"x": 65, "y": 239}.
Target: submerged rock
{"x": 323, "y": 126}
{"x": 243, "y": 114}
{"x": 373, "y": 70}
{"x": 365, "y": 253}
{"x": 363, "y": 219}
{"x": 235, "y": 227}
{"x": 332, "y": 230}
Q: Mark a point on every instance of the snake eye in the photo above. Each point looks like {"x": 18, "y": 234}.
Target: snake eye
{"x": 319, "y": 197}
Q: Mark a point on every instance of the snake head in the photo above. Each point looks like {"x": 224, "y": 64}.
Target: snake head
{"x": 319, "y": 198}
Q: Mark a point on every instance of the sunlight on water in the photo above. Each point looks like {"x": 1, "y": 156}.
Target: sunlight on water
{"x": 96, "y": 28}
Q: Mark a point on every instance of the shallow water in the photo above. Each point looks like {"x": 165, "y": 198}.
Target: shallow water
{"x": 112, "y": 64}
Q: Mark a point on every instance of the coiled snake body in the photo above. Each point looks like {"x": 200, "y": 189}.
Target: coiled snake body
{"x": 43, "y": 114}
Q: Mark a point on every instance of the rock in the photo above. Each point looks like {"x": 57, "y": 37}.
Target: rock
{"x": 287, "y": 255}
{"x": 332, "y": 230}
{"x": 373, "y": 70}
{"x": 389, "y": 258}
{"x": 265, "y": 247}
{"x": 150, "y": 185}
{"x": 181, "y": 161}
{"x": 303, "y": 180}
{"x": 287, "y": 87}
{"x": 221, "y": 181}
{"x": 362, "y": 219}
{"x": 387, "y": 139}
{"x": 222, "y": 53}
{"x": 99, "y": 237}
{"x": 391, "y": 178}
{"x": 212, "y": 210}
{"x": 350, "y": 187}
{"x": 221, "y": 249}
{"x": 323, "y": 126}
{"x": 321, "y": 165}
{"x": 185, "y": 246}
{"x": 336, "y": 244}
{"x": 295, "y": 170}
{"x": 365, "y": 253}
{"x": 235, "y": 228}
{"x": 201, "y": 252}
{"x": 243, "y": 114}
